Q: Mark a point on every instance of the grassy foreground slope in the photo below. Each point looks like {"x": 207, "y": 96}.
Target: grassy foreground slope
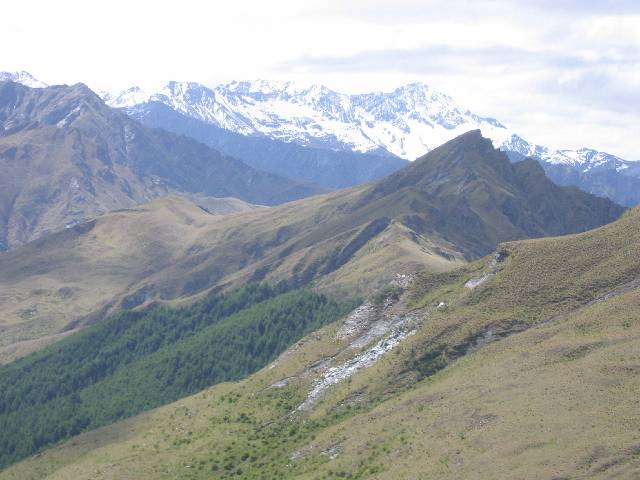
{"x": 522, "y": 365}
{"x": 454, "y": 204}
{"x": 134, "y": 361}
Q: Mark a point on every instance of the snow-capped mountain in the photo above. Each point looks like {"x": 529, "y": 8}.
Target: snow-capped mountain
{"x": 403, "y": 124}
{"x": 408, "y": 122}
{"x": 25, "y": 78}
{"x": 585, "y": 160}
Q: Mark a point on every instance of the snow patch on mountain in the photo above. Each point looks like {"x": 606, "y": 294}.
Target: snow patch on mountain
{"x": 586, "y": 159}
{"x": 24, "y": 78}
{"x": 128, "y": 98}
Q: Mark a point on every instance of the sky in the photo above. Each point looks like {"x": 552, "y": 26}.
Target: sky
{"x": 565, "y": 74}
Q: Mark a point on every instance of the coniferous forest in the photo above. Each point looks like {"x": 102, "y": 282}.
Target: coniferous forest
{"x": 137, "y": 360}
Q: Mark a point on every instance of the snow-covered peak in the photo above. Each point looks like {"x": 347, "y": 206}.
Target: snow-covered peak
{"x": 24, "y": 78}
{"x": 418, "y": 91}
{"x": 407, "y": 122}
{"x": 271, "y": 88}
{"x": 182, "y": 88}
{"x": 255, "y": 86}
{"x": 128, "y": 98}
{"x": 582, "y": 159}
{"x": 586, "y": 159}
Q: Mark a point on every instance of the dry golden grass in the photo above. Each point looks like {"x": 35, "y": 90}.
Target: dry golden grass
{"x": 172, "y": 250}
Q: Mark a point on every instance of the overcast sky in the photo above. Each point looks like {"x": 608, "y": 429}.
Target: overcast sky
{"x": 560, "y": 73}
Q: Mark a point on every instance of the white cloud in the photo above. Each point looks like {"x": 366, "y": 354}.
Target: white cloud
{"x": 562, "y": 73}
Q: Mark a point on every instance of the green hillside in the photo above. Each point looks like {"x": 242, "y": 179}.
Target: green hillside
{"x": 135, "y": 361}
{"x": 523, "y": 365}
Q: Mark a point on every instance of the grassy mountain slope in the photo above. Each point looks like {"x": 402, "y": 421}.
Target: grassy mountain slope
{"x": 520, "y": 365}
{"x": 54, "y": 284}
{"x": 331, "y": 169}
{"x": 171, "y": 249}
{"x": 134, "y": 361}
{"x": 456, "y": 203}
{"x": 66, "y": 157}
{"x": 476, "y": 198}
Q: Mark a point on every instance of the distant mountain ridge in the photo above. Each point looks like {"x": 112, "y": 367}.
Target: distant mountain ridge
{"x": 66, "y": 157}
{"x": 408, "y": 122}
{"x": 405, "y": 123}
{"x": 247, "y": 107}
{"x": 331, "y": 169}
{"x": 25, "y": 78}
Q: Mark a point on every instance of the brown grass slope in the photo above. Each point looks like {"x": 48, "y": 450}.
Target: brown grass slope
{"x": 455, "y": 203}
{"x": 471, "y": 194}
{"x": 171, "y": 249}
{"x": 66, "y": 157}
{"x": 533, "y": 373}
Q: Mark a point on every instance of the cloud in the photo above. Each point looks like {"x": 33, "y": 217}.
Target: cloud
{"x": 418, "y": 11}
{"x": 600, "y": 77}
{"x": 599, "y": 89}
{"x": 444, "y": 58}
{"x": 583, "y": 7}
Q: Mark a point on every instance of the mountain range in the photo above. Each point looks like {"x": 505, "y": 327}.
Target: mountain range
{"x": 327, "y": 168}
{"x": 66, "y": 157}
{"x": 350, "y": 139}
{"x": 260, "y": 281}
{"x": 405, "y": 123}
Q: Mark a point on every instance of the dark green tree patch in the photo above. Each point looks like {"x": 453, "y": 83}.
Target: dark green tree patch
{"x": 137, "y": 360}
